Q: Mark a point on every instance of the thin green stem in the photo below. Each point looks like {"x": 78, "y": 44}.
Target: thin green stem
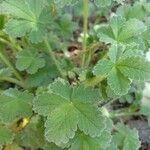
{"x": 8, "y": 63}
{"x": 13, "y": 46}
{"x": 94, "y": 81}
{"x": 50, "y": 52}
{"x": 15, "y": 81}
{"x": 124, "y": 113}
{"x": 85, "y": 28}
{"x": 90, "y": 50}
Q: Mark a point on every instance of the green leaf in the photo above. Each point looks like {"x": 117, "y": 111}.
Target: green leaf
{"x": 6, "y": 136}
{"x": 133, "y": 27}
{"x": 103, "y": 67}
{"x": 125, "y": 64}
{"x": 28, "y": 16}
{"x": 64, "y": 26}
{"x": 90, "y": 120}
{"x": 118, "y": 82}
{"x": 116, "y": 24}
{"x": 61, "y": 124}
{"x": 102, "y": 3}
{"x": 66, "y": 109}
{"x": 44, "y": 76}
{"x": 112, "y": 146}
{"x": 105, "y": 34}
{"x": 126, "y": 138}
{"x": 15, "y": 105}
{"x": 121, "y": 31}
{"x": 136, "y": 11}
{"x": 115, "y": 52}
{"x": 136, "y": 68}
{"x": 86, "y": 142}
{"x": 29, "y": 60}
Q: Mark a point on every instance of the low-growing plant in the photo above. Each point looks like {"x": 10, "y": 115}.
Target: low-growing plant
{"x": 64, "y": 65}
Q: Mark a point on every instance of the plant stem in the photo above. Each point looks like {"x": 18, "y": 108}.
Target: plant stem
{"x": 8, "y": 63}
{"x": 125, "y": 113}
{"x": 94, "y": 81}
{"x": 50, "y": 52}
{"x": 12, "y": 46}
{"x": 91, "y": 51}
{"x": 12, "y": 80}
{"x": 85, "y": 28}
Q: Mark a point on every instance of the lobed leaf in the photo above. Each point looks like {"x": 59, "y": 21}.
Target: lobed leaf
{"x": 29, "y": 60}
{"x": 66, "y": 109}
{"x": 126, "y": 138}
{"x": 125, "y": 64}
{"x": 86, "y": 142}
{"x": 132, "y": 27}
{"x": 120, "y": 30}
{"x": 28, "y": 17}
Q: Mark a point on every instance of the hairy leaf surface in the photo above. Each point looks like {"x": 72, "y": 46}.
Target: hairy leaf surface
{"x": 66, "y": 109}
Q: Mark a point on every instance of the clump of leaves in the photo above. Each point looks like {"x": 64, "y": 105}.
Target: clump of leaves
{"x": 57, "y": 93}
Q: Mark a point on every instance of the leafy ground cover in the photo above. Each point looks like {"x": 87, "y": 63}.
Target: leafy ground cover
{"x": 72, "y": 74}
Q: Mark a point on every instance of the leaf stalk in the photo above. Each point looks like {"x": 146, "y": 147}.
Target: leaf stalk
{"x": 85, "y": 28}
{"x": 50, "y": 52}
{"x": 8, "y": 63}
